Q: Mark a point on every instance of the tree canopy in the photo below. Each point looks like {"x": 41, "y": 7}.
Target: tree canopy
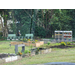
{"x": 40, "y": 22}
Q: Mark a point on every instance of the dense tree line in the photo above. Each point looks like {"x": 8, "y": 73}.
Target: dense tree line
{"x": 40, "y": 22}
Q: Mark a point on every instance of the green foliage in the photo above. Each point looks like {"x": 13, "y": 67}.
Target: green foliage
{"x": 25, "y": 40}
{"x": 68, "y": 43}
{"x": 29, "y": 51}
{"x": 48, "y": 43}
{"x": 26, "y": 51}
{"x": 63, "y": 43}
{"x": 40, "y": 22}
{"x": 40, "y": 31}
{"x": 19, "y": 53}
{"x": 61, "y": 20}
{"x": 37, "y": 49}
{"x": 2, "y": 38}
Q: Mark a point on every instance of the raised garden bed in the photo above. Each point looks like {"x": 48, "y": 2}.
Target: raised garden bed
{"x": 41, "y": 50}
{"x": 30, "y": 43}
{"x": 62, "y": 47}
{"x": 8, "y": 58}
{"x": 35, "y": 52}
{"x": 6, "y": 55}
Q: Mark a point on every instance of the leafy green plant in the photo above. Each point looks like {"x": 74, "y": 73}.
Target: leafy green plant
{"x": 63, "y": 43}
{"x": 48, "y": 43}
{"x": 2, "y": 38}
{"x": 25, "y": 40}
{"x": 19, "y": 53}
{"x": 68, "y": 43}
{"x": 38, "y": 49}
{"x": 21, "y": 39}
{"x": 33, "y": 41}
{"x": 28, "y": 40}
{"x": 29, "y": 52}
{"x": 36, "y": 40}
{"x": 26, "y": 51}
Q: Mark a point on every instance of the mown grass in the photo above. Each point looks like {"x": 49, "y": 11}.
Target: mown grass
{"x": 57, "y": 55}
{"x": 6, "y": 48}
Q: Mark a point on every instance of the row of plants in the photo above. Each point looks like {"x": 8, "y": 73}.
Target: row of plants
{"x": 66, "y": 43}
{"x": 27, "y": 51}
{"x": 27, "y": 40}
{"x": 48, "y": 44}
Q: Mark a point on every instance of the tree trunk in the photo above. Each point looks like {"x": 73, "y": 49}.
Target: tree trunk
{"x": 43, "y": 18}
{"x": 31, "y": 20}
{"x": 5, "y": 29}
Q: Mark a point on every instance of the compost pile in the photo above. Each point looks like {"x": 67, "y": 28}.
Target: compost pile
{"x": 6, "y": 55}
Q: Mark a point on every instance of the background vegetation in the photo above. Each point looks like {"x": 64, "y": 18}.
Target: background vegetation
{"x": 40, "y": 22}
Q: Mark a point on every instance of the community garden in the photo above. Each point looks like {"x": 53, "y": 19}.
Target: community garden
{"x": 36, "y": 36}
{"x": 49, "y": 52}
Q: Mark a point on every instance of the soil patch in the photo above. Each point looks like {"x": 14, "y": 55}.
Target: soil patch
{"x": 39, "y": 49}
{"x": 62, "y": 47}
{"x": 6, "y": 55}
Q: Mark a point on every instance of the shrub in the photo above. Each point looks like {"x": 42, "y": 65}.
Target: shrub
{"x": 68, "y": 43}
{"x": 21, "y": 39}
{"x": 26, "y": 51}
{"x": 25, "y": 40}
{"x": 48, "y": 43}
{"x": 29, "y": 51}
{"x": 63, "y": 43}
{"x": 37, "y": 49}
{"x": 33, "y": 41}
{"x": 2, "y": 38}
{"x": 29, "y": 40}
{"x": 36, "y": 40}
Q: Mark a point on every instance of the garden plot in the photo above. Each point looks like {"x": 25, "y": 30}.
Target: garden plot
{"x": 64, "y": 46}
{"x": 41, "y": 50}
{"x": 8, "y": 58}
{"x": 29, "y": 43}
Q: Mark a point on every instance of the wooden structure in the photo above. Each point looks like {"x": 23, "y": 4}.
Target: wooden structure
{"x": 65, "y": 36}
{"x": 36, "y": 44}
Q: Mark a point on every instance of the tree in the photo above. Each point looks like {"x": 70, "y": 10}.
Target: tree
{"x": 4, "y": 13}
{"x": 71, "y": 13}
{"x": 61, "y": 20}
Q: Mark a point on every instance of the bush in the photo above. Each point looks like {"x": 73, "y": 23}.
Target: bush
{"x": 36, "y": 40}
{"x": 40, "y": 31}
{"x": 2, "y": 38}
{"x": 63, "y": 43}
{"x": 68, "y": 43}
{"x": 26, "y": 51}
{"x": 48, "y": 43}
{"x": 25, "y": 40}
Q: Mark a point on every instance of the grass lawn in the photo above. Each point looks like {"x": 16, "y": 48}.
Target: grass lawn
{"x": 6, "y": 48}
{"x": 57, "y": 55}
